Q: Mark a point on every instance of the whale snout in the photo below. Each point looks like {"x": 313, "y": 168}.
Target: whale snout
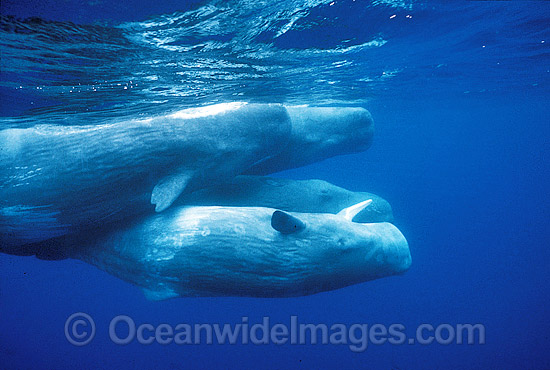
{"x": 394, "y": 248}
{"x": 379, "y": 250}
{"x": 363, "y": 128}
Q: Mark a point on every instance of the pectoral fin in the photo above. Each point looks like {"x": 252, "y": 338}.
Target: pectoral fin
{"x": 169, "y": 189}
{"x": 285, "y": 223}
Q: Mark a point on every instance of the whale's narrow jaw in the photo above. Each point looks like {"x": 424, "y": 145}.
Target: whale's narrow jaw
{"x": 387, "y": 248}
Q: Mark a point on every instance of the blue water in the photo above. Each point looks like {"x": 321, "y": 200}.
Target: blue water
{"x": 459, "y": 93}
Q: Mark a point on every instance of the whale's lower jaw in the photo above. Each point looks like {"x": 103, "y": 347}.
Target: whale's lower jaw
{"x": 273, "y": 291}
{"x": 157, "y": 284}
{"x": 165, "y": 289}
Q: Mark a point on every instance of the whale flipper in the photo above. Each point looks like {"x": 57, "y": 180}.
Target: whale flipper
{"x": 169, "y": 189}
{"x": 285, "y": 223}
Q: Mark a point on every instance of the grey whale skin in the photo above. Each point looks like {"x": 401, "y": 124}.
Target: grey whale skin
{"x": 308, "y": 196}
{"x": 56, "y": 180}
{"x": 247, "y": 251}
{"x": 62, "y": 180}
{"x": 318, "y": 133}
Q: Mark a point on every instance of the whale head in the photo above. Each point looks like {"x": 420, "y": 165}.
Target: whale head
{"x": 249, "y": 251}
{"x": 334, "y": 252}
{"x": 319, "y": 133}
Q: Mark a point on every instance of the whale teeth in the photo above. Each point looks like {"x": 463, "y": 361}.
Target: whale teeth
{"x": 350, "y": 212}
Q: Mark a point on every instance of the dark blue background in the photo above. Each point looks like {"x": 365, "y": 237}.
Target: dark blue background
{"x": 467, "y": 176}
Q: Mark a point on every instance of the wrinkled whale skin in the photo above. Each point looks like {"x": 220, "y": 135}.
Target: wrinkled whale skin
{"x": 319, "y": 133}
{"x": 309, "y": 196}
{"x": 236, "y": 251}
{"x": 305, "y": 196}
{"x": 56, "y": 180}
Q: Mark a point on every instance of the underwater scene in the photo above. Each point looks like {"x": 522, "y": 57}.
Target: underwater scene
{"x": 294, "y": 184}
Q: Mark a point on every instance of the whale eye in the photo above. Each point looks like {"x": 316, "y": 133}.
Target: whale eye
{"x": 285, "y": 223}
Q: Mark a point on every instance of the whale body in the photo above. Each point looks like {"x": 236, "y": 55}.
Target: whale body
{"x": 64, "y": 180}
{"x": 319, "y": 133}
{"x": 306, "y": 196}
{"x": 248, "y": 251}
{"x": 56, "y": 180}
{"x": 309, "y": 196}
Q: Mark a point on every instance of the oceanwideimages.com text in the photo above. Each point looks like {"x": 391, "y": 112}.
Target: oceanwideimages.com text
{"x": 80, "y": 330}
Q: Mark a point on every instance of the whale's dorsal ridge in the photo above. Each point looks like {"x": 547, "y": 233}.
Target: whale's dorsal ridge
{"x": 169, "y": 189}
{"x": 286, "y": 223}
{"x": 350, "y": 212}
